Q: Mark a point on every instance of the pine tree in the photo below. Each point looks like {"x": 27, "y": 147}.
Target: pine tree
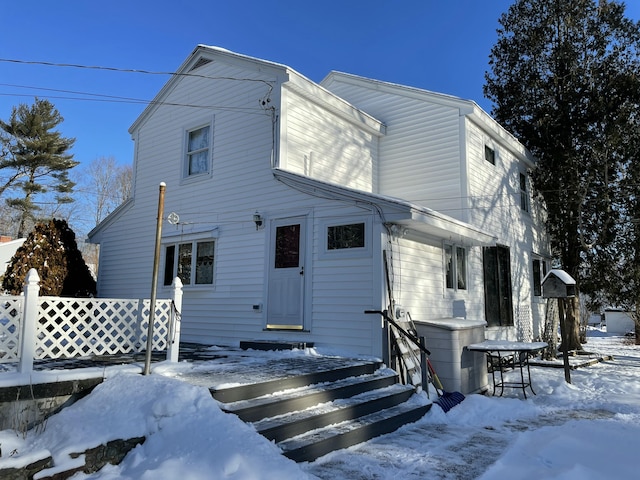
{"x": 52, "y": 250}
{"x": 35, "y": 159}
{"x": 564, "y": 80}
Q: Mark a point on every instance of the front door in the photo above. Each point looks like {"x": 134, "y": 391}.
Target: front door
{"x": 498, "y": 304}
{"x": 286, "y": 275}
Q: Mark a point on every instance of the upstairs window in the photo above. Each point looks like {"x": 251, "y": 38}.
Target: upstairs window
{"x": 191, "y": 262}
{"x": 490, "y": 155}
{"x": 455, "y": 264}
{"x": 198, "y": 153}
{"x": 524, "y": 193}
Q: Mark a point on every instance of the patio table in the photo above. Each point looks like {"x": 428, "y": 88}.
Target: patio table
{"x": 504, "y": 355}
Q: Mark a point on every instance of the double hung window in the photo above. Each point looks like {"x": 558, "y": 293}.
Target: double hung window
{"x": 455, "y": 263}
{"x": 198, "y": 152}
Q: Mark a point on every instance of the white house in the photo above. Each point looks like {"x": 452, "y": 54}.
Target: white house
{"x": 8, "y": 248}
{"x": 290, "y": 195}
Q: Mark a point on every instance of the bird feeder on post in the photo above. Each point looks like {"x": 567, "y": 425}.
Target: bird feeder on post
{"x": 559, "y": 284}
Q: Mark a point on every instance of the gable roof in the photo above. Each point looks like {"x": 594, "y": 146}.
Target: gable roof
{"x": 204, "y": 54}
{"x": 468, "y": 108}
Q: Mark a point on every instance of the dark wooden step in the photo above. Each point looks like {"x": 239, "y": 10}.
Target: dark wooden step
{"x": 314, "y": 444}
{"x": 253, "y": 390}
{"x": 297, "y": 423}
{"x": 267, "y": 406}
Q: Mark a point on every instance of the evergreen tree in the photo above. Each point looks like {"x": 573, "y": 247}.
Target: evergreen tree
{"x": 564, "y": 80}
{"x": 35, "y": 159}
{"x": 52, "y": 250}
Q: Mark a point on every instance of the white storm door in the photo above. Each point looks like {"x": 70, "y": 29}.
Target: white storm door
{"x": 286, "y": 275}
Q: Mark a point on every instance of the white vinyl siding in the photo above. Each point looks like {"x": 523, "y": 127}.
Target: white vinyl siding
{"x": 419, "y": 282}
{"x": 324, "y": 146}
{"x": 420, "y": 156}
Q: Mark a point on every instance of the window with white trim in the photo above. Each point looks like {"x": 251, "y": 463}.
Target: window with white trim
{"x": 455, "y": 264}
{"x": 191, "y": 262}
{"x": 524, "y": 193}
{"x": 346, "y": 236}
{"x": 539, "y": 272}
{"x": 198, "y": 151}
{"x": 489, "y": 154}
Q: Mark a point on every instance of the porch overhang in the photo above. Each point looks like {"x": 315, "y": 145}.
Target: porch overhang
{"x": 417, "y": 220}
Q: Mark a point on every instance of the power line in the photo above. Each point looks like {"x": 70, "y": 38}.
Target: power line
{"x": 130, "y": 100}
{"x": 132, "y": 70}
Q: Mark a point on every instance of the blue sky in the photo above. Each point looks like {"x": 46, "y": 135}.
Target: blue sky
{"x": 438, "y": 45}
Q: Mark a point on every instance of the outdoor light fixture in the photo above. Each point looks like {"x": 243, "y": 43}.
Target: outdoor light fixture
{"x": 257, "y": 219}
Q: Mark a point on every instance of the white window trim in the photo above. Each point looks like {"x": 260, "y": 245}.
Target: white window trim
{"x": 184, "y": 163}
{"x": 454, "y": 264}
{"x": 358, "y": 252}
{"x": 526, "y": 192}
{"x": 544, "y": 266}
{"x": 489, "y": 142}
{"x": 194, "y": 239}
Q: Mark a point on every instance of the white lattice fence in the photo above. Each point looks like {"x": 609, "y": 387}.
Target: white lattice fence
{"x": 10, "y": 314}
{"x": 73, "y": 327}
{"x": 34, "y": 327}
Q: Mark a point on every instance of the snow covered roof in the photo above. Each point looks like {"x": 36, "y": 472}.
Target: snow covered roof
{"x": 561, "y": 275}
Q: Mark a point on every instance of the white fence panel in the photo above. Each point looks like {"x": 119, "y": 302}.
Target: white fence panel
{"x": 74, "y": 327}
{"x": 36, "y": 328}
{"x": 10, "y": 315}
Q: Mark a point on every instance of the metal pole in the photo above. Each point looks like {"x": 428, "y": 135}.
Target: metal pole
{"x": 154, "y": 280}
{"x": 562, "y": 310}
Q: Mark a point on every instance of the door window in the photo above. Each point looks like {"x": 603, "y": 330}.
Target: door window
{"x": 287, "y": 252}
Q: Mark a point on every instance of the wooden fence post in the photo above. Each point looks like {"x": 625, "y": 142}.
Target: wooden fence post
{"x": 173, "y": 340}
{"x": 29, "y": 321}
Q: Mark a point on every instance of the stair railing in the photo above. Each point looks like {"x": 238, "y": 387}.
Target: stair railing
{"x": 413, "y": 338}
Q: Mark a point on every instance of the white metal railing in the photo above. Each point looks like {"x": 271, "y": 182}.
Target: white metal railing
{"x": 34, "y": 327}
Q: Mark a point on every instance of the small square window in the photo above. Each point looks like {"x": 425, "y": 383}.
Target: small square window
{"x": 198, "y": 151}
{"x": 345, "y": 236}
{"x": 490, "y": 155}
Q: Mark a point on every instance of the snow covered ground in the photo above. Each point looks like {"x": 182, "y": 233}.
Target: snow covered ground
{"x": 588, "y": 430}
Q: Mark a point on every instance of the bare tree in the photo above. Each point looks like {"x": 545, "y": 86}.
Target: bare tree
{"x": 105, "y": 185}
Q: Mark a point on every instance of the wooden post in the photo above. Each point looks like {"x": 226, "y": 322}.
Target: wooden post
{"x": 154, "y": 279}
{"x": 29, "y": 321}
{"x": 173, "y": 342}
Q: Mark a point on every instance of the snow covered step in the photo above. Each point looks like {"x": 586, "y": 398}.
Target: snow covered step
{"x": 316, "y": 443}
{"x": 287, "y": 401}
{"x": 286, "y": 426}
{"x": 260, "y": 388}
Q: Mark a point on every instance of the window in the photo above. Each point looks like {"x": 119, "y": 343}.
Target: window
{"x": 490, "y": 155}
{"x": 539, "y": 272}
{"x": 345, "y": 236}
{"x": 524, "y": 194}
{"x": 192, "y": 262}
{"x": 198, "y": 155}
{"x": 455, "y": 267}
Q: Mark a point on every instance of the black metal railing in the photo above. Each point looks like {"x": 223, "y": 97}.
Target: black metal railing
{"x": 415, "y": 340}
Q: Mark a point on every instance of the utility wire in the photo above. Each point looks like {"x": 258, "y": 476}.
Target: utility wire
{"x": 131, "y": 70}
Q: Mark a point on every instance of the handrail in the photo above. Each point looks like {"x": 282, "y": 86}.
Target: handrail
{"x": 419, "y": 342}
